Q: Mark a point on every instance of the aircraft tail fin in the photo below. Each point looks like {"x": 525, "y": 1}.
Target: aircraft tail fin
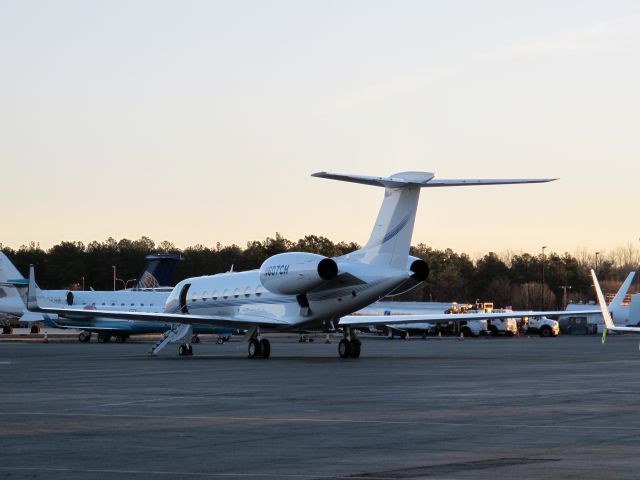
{"x": 158, "y": 271}
{"x": 608, "y": 321}
{"x": 390, "y": 239}
{"x": 12, "y": 285}
{"x": 624, "y": 288}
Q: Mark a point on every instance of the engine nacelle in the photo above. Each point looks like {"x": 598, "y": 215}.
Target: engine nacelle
{"x": 294, "y": 273}
{"x": 419, "y": 268}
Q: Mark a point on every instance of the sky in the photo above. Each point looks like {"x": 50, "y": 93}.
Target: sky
{"x": 200, "y": 122}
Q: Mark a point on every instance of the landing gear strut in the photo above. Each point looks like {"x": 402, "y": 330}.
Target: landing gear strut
{"x": 259, "y": 347}
{"x": 349, "y": 346}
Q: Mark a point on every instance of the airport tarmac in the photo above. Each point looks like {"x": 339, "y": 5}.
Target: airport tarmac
{"x": 495, "y": 408}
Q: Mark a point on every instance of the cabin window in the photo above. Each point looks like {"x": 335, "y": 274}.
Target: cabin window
{"x": 225, "y": 294}
{"x": 133, "y": 304}
{"x": 259, "y": 290}
{"x": 113, "y": 304}
{"x": 122, "y": 304}
{"x": 247, "y": 292}
{"x": 214, "y": 295}
{"x": 236, "y": 293}
{"x": 103, "y": 303}
{"x": 204, "y": 296}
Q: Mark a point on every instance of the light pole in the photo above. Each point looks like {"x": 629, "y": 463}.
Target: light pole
{"x": 597, "y": 254}
{"x": 113, "y": 267}
{"x": 564, "y": 294}
{"x": 83, "y": 283}
{"x": 543, "y": 261}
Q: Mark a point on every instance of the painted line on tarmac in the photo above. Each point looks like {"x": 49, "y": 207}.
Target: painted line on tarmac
{"x": 182, "y": 473}
{"x": 328, "y": 420}
{"x": 5, "y": 363}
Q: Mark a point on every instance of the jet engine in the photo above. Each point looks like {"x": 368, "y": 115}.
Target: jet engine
{"x": 295, "y": 273}
{"x": 419, "y": 268}
{"x": 420, "y": 271}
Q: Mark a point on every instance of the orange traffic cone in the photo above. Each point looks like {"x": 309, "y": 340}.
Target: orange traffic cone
{"x": 46, "y": 338}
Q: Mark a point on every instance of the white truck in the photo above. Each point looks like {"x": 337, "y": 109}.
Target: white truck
{"x": 495, "y": 326}
{"x": 543, "y": 326}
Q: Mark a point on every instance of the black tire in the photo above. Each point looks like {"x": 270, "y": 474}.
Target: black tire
{"x": 7, "y": 330}
{"x": 195, "y": 339}
{"x": 265, "y": 348}
{"x": 35, "y": 329}
{"x": 189, "y": 350}
{"x": 84, "y": 337}
{"x": 545, "y": 331}
{"x": 102, "y": 338}
{"x": 466, "y": 331}
{"x": 182, "y": 350}
{"x": 344, "y": 348}
{"x": 220, "y": 340}
{"x": 254, "y": 348}
{"x": 120, "y": 338}
{"x": 494, "y": 330}
{"x": 355, "y": 348}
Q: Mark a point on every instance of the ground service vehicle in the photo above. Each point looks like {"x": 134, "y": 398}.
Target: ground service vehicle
{"x": 543, "y": 326}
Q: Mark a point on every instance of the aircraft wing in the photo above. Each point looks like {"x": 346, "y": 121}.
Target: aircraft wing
{"x": 235, "y": 321}
{"x": 367, "y": 320}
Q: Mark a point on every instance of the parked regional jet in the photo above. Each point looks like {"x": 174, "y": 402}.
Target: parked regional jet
{"x": 606, "y": 315}
{"x": 295, "y": 290}
{"x": 148, "y": 295}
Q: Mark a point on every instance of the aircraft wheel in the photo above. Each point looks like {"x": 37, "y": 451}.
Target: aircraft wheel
{"x": 182, "y": 350}
{"x": 7, "y": 330}
{"x": 189, "y": 350}
{"x": 195, "y": 339}
{"x": 220, "y": 340}
{"x": 344, "y": 348}
{"x": 227, "y": 338}
{"x": 120, "y": 338}
{"x": 35, "y": 329}
{"x": 84, "y": 337}
{"x": 355, "y": 348}
{"x": 104, "y": 338}
{"x": 254, "y": 348}
{"x": 265, "y": 347}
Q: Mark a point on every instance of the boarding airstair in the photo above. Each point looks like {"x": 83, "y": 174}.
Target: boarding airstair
{"x": 175, "y": 334}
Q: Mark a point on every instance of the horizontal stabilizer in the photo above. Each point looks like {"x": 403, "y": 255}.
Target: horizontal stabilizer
{"x": 424, "y": 180}
{"x": 18, "y": 282}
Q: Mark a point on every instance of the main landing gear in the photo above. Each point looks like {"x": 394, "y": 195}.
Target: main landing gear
{"x": 349, "y": 346}
{"x": 185, "y": 350}
{"x": 259, "y": 347}
{"x": 84, "y": 336}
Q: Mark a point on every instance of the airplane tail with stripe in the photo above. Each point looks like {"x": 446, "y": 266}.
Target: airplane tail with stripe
{"x": 389, "y": 243}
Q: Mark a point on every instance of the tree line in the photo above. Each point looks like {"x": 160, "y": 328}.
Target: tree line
{"x": 507, "y": 279}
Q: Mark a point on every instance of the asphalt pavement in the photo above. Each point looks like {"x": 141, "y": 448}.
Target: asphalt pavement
{"x": 495, "y": 408}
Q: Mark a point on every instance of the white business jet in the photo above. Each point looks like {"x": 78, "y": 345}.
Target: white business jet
{"x": 606, "y": 315}
{"x": 295, "y": 290}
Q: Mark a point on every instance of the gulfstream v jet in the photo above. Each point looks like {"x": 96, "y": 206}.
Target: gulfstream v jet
{"x": 297, "y": 290}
